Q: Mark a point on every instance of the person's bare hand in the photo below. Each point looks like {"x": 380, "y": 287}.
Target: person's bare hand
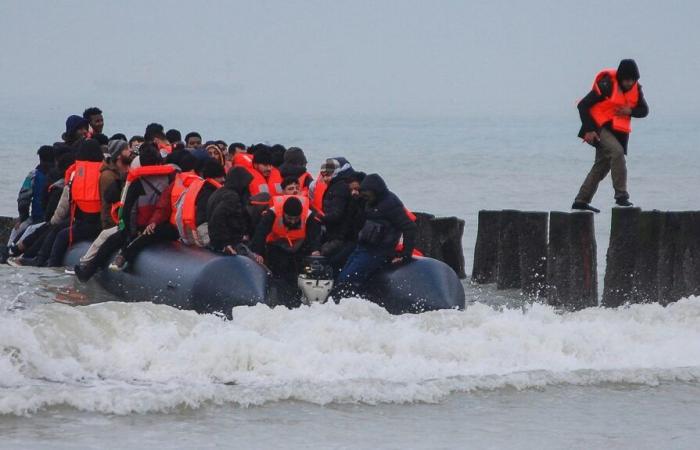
{"x": 229, "y": 250}
{"x": 150, "y": 228}
{"x": 316, "y": 253}
{"x": 591, "y": 137}
{"x": 258, "y": 259}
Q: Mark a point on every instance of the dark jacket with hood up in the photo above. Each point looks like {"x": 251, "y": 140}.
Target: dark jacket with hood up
{"x": 336, "y": 202}
{"x": 386, "y": 219}
{"x": 226, "y": 214}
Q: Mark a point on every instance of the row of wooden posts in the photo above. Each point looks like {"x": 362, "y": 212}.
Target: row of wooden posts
{"x": 653, "y": 256}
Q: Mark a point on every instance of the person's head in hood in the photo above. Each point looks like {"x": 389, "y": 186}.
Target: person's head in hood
{"x": 373, "y": 189}
{"x": 238, "y": 179}
{"x": 356, "y": 180}
{"x": 627, "y": 74}
{"x": 76, "y": 129}
{"x": 262, "y": 162}
{"x": 215, "y": 153}
{"x": 213, "y": 170}
{"x": 294, "y": 156}
{"x": 90, "y": 150}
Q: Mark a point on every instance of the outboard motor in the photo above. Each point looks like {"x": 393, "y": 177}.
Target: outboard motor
{"x": 316, "y": 280}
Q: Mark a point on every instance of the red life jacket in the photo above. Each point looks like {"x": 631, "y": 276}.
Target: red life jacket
{"x": 280, "y": 234}
{"x": 165, "y": 149}
{"x": 243, "y": 160}
{"x": 155, "y": 180}
{"x": 399, "y": 246}
{"x": 272, "y": 185}
{"x": 180, "y": 184}
{"x": 605, "y": 111}
{"x": 185, "y": 210}
{"x": 316, "y": 191}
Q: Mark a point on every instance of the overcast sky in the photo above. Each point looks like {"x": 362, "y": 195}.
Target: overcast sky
{"x": 324, "y": 57}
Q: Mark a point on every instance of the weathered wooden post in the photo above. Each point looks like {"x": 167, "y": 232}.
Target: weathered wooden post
{"x": 486, "y": 248}
{"x": 441, "y": 238}
{"x": 645, "y": 282}
{"x": 532, "y": 240}
{"x": 508, "y": 259}
{"x": 621, "y": 256}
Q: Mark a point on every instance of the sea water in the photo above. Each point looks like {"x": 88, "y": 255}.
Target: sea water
{"x": 504, "y": 372}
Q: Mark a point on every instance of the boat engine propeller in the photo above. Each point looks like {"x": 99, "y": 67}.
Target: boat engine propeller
{"x": 315, "y": 280}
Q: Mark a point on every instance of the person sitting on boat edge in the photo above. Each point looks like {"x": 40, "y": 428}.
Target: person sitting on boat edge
{"x": 386, "y": 221}
{"x": 227, "y": 220}
{"x": 287, "y": 233}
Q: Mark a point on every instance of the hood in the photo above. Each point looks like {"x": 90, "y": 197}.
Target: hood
{"x": 627, "y": 70}
{"x": 376, "y": 184}
{"x": 342, "y": 167}
{"x": 238, "y": 180}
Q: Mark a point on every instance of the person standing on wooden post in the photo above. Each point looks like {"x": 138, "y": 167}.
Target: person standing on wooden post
{"x": 606, "y": 114}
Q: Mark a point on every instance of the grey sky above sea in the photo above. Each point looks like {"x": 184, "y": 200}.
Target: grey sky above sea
{"x": 456, "y": 58}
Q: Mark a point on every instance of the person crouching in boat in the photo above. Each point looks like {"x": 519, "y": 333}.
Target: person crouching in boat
{"x": 287, "y": 233}
{"x": 386, "y": 220}
{"x": 189, "y": 211}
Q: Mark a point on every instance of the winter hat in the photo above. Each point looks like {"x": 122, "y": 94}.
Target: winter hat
{"x": 115, "y": 147}
{"x": 292, "y": 207}
{"x": 262, "y": 156}
{"x": 74, "y": 122}
{"x": 627, "y": 70}
{"x": 295, "y": 155}
{"x": 330, "y": 165}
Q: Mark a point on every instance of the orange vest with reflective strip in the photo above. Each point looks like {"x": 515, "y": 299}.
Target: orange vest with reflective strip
{"x": 272, "y": 185}
{"x": 302, "y": 183}
{"x": 186, "y": 209}
{"x": 605, "y": 111}
{"x": 180, "y": 184}
{"x": 280, "y": 234}
{"x": 85, "y": 186}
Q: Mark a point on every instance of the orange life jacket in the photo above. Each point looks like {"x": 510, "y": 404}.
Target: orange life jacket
{"x": 302, "y": 183}
{"x": 243, "y": 160}
{"x": 272, "y": 185}
{"x": 69, "y": 173}
{"x": 605, "y": 111}
{"x": 182, "y": 181}
{"x": 316, "y": 191}
{"x": 156, "y": 180}
{"x": 185, "y": 210}
{"x": 85, "y": 186}
{"x": 165, "y": 149}
{"x": 399, "y": 246}
{"x": 280, "y": 234}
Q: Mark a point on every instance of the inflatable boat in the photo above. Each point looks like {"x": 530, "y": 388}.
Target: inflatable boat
{"x": 192, "y": 278}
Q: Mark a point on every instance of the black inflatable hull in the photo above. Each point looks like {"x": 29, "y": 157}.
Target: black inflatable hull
{"x": 192, "y": 278}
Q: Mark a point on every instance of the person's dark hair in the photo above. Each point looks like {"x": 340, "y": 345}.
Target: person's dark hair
{"x": 236, "y": 145}
{"x": 187, "y": 162}
{"x": 136, "y": 138}
{"x": 46, "y": 154}
{"x": 64, "y": 162}
{"x": 173, "y": 135}
{"x": 101, "y": 138}
{"x": 154, "y": 130}
{"x": 254, "y": 148}
{"x": 292, "y": 207}
{"x": 212, "y": 169}
{"x": 192, "y": 134}
{"x": 289, "y": 180}
{"x": 60, "y": 149}
{"x": 278, "y": 154}
{"x": 90, "y": 150}
{"x": 118, "y": 137}
{"x": 92, "y": 111}
{"x": 357, "y": 176}
{"x": 221, "y": 143}
{"x": 149, "y": 155}
{"x": 175, "y": 156}
{"x": 262, "y": 156}
{"x": 179, "y": 146}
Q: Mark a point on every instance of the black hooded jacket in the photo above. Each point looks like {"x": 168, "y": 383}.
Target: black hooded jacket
{"x": 336, "y": 203}
{"x": 627, "y": 69}
{"x": 386, "y": 219}
{"x": 226, "y": 214}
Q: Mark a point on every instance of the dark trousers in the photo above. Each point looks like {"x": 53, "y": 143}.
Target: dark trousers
{"x": 163, "y": 232}
{"x": 81, "y": 231}
{"x": 32, "y": 243}
{"x": 362, "y": 264}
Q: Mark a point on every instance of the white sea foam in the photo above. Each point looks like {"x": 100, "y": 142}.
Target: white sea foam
{"x": 122, "y": 358}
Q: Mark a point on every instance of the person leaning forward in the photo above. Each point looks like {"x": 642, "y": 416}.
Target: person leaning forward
{"x": 606, "y": 114}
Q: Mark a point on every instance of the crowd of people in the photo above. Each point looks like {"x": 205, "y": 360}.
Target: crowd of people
{"x": 256, "y": 201}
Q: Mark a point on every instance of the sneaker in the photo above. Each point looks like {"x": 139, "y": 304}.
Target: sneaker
{"x": 623, "y": 202}
{"x": 15, "y": 261}
{"x": 68, "y": 271}
{"x": 581, "y": 206}
{"x": 118, "y": 264}
{"x": 84, "y": 272}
